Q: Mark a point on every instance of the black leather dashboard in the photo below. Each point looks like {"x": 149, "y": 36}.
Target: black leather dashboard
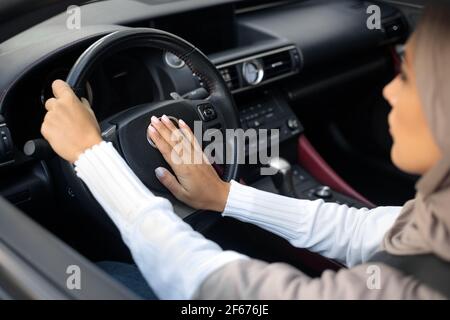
{"x": 320, "y": 30}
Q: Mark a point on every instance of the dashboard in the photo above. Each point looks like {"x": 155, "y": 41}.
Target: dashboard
{"x": 256, "y": 48}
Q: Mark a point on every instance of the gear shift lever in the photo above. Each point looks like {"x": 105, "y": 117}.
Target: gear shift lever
{"x": 284, "y": 178}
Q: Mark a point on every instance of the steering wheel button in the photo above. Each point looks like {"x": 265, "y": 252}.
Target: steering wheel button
{"x": 207, "y": 112}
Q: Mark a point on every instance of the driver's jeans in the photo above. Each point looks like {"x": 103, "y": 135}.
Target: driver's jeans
{"x": 129, "y": 276}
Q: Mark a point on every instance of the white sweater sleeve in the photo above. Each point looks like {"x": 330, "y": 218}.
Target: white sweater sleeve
{"x": 348, "y": 235}
{"x": 173, "y": 258}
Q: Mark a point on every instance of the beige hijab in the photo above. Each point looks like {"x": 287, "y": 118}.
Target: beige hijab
{"x": 424, "y": 223}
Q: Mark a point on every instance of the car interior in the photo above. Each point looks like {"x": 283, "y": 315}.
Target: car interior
{"x": 311, "y": 69}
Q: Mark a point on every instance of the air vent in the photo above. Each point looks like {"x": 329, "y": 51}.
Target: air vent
{"x": 277, "y": 64}
{"x": 231, "y": 77}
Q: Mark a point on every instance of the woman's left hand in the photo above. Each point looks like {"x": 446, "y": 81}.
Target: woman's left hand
{"x": 70, "y": 125}
{"x": 196, "y": 183}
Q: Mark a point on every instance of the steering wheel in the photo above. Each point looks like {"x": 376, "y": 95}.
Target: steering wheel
{"x": 127, "y": 130}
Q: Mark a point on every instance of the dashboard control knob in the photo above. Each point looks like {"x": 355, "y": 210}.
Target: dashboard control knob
{"x": 38, "y": 149}
{"x": 253, "y": 72}
{"x": 323, "y": 192}
{"x": 293, "y": 124}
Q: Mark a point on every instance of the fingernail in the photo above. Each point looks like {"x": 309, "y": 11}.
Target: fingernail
{"x": 181, "y": 122}
{"x": 159, "y": 172}
{"x": 151, "y": 129}
{"x": 154, "y": 119}
{"x": 165, "y": 119}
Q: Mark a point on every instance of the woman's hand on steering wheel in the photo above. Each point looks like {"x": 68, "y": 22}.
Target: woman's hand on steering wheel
{"x": 70, "y": 125}
{"x": 196, "y": 183}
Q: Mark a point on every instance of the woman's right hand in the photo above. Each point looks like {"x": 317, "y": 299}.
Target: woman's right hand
{"x": 196, "y": 183}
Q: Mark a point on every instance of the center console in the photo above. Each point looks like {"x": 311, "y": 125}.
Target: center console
{"x": 269, "y": 109}
{"x": 308, "y": 188}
